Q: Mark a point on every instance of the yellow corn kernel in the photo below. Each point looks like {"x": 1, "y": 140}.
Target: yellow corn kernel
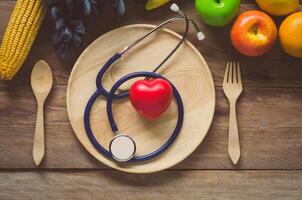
{"x": 19, "y": 36}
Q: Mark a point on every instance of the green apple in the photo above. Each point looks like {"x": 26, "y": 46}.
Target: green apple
{"x": 217, "y": 12}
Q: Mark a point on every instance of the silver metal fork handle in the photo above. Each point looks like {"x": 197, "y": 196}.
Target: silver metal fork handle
{"x": 233, "y": 146}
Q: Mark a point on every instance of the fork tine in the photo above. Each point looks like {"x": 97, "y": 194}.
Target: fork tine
{"x": 231, "y": 72}
{"x": 226, "y": 73}
{"x": 235, "y": 72}
{"x": 238, "y": 73}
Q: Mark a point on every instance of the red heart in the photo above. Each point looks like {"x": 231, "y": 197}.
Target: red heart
{"x": 151, "y": 98}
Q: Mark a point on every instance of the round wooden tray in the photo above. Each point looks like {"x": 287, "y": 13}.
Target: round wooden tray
{"x": 186, "y": 69}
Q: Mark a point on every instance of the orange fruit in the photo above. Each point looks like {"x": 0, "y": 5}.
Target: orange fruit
{"x": 278, "y": 7}
{"x": 290, "y": 35}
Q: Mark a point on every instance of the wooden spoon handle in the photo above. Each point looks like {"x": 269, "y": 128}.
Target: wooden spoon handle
{"x": 39, "y": 149}
{"x": 234, "y": 146}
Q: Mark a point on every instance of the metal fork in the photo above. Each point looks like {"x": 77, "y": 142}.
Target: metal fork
{"x": 232, "y": 87}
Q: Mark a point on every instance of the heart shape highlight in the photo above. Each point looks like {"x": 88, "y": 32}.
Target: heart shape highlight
{"x": 151, "y": 98}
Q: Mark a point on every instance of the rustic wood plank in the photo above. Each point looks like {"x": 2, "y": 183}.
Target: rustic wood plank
{"x": 269, "y": 124}
{"x": 6, "y": 9}
{"x": 257, "y": 107}
{"x": 264, "y": 148}
{"x": 216, "y": 185}
{"x": 272, "y": 70}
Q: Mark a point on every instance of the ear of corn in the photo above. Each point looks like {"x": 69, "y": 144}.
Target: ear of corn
{"x": 19, "y": 36}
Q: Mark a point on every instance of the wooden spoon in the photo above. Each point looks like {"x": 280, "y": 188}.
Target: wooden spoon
{"x": 41, "y": 83}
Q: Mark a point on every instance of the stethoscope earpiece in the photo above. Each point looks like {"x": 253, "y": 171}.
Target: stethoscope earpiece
{"x": 200, "y": 36}
{"x": 122, "y": 148}
{"x": 174, "y": 7}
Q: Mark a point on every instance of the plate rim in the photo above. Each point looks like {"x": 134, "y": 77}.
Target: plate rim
{"x": 129, "y": 170}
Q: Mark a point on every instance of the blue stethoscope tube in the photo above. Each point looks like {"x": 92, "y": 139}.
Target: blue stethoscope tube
{"x": 111, "y": 94}
{"x": 118, "y": 55}
{"x": 113, "y": 125}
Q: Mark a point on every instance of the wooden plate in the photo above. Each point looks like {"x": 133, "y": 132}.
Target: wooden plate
{"x": 186, "y": 69}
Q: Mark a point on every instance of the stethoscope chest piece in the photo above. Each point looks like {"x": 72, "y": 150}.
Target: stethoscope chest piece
{"x": 122, "y": 148}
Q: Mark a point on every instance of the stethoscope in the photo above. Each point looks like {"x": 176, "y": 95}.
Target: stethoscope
{"x": 122, "y": 147}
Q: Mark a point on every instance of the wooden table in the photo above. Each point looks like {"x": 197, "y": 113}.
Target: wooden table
{"x": 269, "y": 115}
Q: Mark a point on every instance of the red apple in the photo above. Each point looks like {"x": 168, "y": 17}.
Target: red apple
{"x": 253, "y": 33}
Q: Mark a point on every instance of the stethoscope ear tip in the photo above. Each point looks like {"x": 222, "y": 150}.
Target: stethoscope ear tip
{"x": 174, "y": 7}
{"x": 200, "y": 36}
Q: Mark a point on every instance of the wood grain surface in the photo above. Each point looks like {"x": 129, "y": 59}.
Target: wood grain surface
{"x": 269, "y": 118}
{"x": 167, "y": 185}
